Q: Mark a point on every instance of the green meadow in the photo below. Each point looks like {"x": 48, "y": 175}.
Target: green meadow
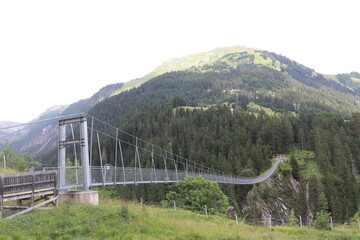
{"x": 115, "y": 219}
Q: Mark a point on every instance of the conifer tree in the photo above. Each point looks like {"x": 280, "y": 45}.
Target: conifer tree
{"x": 295, "y": 171}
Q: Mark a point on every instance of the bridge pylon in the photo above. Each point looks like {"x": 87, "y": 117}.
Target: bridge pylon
{"x": 84, "y": 149}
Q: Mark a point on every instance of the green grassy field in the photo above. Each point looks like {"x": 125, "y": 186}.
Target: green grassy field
{"x": 255, "y": 108}
{"x": 114, "y": 219}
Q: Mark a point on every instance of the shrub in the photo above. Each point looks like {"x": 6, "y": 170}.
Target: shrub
{"x": 124, "y": 212}
{"x": 193, "y": 193}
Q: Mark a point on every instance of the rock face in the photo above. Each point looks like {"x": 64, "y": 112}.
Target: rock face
{"x": 277, "y": 196}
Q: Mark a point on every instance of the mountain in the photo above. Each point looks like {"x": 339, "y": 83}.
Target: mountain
{"x": 301, "y": 86}
{"x": 177, "y": 64}
{"x": 249, "y": 78}
{"x": 227, "y": 57}
{"x": 40, "y": 139}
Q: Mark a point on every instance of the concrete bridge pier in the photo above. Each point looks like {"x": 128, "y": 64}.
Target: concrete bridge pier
{"x": 79, "y": 197}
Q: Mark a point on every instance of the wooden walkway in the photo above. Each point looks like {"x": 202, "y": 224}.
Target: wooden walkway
{"x": 26, "y": 189}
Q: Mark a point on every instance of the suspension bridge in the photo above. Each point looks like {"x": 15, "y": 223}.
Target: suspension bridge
{"x": 129, "y": 160}
{"x": 161, "y": 165}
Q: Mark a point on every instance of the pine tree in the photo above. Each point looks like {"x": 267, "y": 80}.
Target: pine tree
{"x": 295, "y": 171}
{"x": 292, "y": 218}
{"x": 322, "y": 217}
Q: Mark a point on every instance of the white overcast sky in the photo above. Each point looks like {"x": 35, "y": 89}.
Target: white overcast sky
{"x": 58, "y": 52}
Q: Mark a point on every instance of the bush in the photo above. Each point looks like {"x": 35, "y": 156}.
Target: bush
{"x": 124, "y": 212}
{"x": 193, "y": 193}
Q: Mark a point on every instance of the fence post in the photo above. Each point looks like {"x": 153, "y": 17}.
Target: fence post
{"x": 331, "y": 223}
{"x": 359, "y": 223}
{"x": 55, "y": 184}
{"x": 32, "y": 189}
{"x": 206, "y": 211}
{"x": 174, "y": 205}
{"x": 300, "y": 222}
{"x": 1, "y": 195}
{"x": 236, "y": 219}
{"x": 270, "y": 222}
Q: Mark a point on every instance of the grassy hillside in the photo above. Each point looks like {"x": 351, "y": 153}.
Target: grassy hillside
{"x": 192, "y": 61}
{"x": 121, "y": 220}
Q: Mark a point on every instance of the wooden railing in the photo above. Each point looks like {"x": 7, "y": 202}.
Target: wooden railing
{"x": 29, "y": 187}
{"x": 20, "y": 182}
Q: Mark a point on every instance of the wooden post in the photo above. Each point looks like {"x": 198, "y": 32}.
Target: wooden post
{"x": 270, "y": 223}
{"x": 301, "y": 222}
{"x": 19, "y": 203}
{"x": 174, "y": 205}
{"x": 236, "y": 219}
{"x": 55, "y": 184}
{"x": 32, "y": 190}
{"x": 206, "y": 211}
{"x": 359, "y": 223}
{"x": 1, "y": 195}
{"x": 331, "y": 223}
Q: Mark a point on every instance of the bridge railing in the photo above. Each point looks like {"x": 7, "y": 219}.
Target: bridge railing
{"x": 20, "y": 182}
{"x": 109, "y": 175}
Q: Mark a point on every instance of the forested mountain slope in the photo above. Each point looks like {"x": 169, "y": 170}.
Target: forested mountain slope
{"x": 310, "y": 112}
{"x": 240, "y": 143}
